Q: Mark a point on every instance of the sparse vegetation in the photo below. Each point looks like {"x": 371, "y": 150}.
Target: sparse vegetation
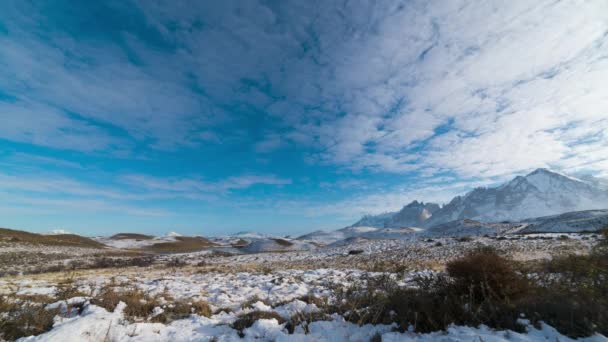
{"x": 485, "y": 288}
{"x": 71, "y": 240}
{"x": 19, "y": 319}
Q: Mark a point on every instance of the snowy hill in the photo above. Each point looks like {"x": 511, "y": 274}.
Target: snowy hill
{"x": 579, "y": 221}
{"x": 352, "y": 233}
{"x": 540, "y": 193}
{"x": 411, "y": 215}
{"x": 466, "y": 227}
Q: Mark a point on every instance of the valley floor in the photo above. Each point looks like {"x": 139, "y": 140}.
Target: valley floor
{"x": 281, "y": 293}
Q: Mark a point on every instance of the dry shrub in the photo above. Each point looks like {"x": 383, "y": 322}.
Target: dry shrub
{"x": 569, "y": 293}
{"x": 573, "y": 294}
{"x": 182, "y": 309}
{"x": 484, "y": 275}
{"x": 24, "y": 319}
{"x": 140, "y": 306}
{"x": 201, "y": 308}
{"x": 108, "y": 298}
{"x": 247, "y": 320}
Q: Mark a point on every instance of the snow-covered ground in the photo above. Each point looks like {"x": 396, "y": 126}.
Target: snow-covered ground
{"x": 234, "y": 285}
{"x": 96, "y": 324}
{"x": 226, "y": 292}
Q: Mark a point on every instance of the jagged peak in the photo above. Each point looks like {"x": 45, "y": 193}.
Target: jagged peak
{"x": 550, "y": 173}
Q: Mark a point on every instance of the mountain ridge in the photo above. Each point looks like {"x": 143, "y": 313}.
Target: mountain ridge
{"x": 542, "y": 192}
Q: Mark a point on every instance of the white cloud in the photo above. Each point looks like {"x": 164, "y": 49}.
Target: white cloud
{"x": 480, "y": 90}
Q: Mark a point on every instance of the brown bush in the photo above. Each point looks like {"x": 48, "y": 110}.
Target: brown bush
{"x": 201, "y": 308}
{"x": 484, "y": 275}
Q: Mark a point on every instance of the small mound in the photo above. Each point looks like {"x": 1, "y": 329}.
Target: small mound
{"x": 131, "y": 236}
{"x": 182, "y": 244}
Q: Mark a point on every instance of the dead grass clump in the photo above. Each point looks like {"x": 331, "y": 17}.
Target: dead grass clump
{"x": 248, "y": 304}
{"x": 201, "y": 308}
{"x": 140, "y": 306}
{"x": 303, "y": 320}
{"x": 320, "y": 302}
{"x": 182, "y": 309}
{"x": 108, "y": 298}
{"x": 247, "y": 320}
{"x": 24, "y": 319}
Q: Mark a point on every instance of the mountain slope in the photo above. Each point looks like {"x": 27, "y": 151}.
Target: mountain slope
{"x": 579, "y": 221}
{"x": 411, "y": 215}
{"x": 540, "y": 193}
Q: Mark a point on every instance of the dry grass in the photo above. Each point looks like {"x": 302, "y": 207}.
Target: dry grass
{"x": 18, "y": 236}
{"x": 140, "y": 305}
{"x": 570, "y": 294}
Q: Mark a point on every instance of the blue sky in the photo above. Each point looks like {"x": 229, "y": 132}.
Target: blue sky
{"x": 286, "y": 116}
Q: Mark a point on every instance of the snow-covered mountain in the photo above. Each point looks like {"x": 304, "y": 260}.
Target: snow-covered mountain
{"x": 411, "y": 215}
{"x": 540, "y": 193}
{"x": 358, "y": 232}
